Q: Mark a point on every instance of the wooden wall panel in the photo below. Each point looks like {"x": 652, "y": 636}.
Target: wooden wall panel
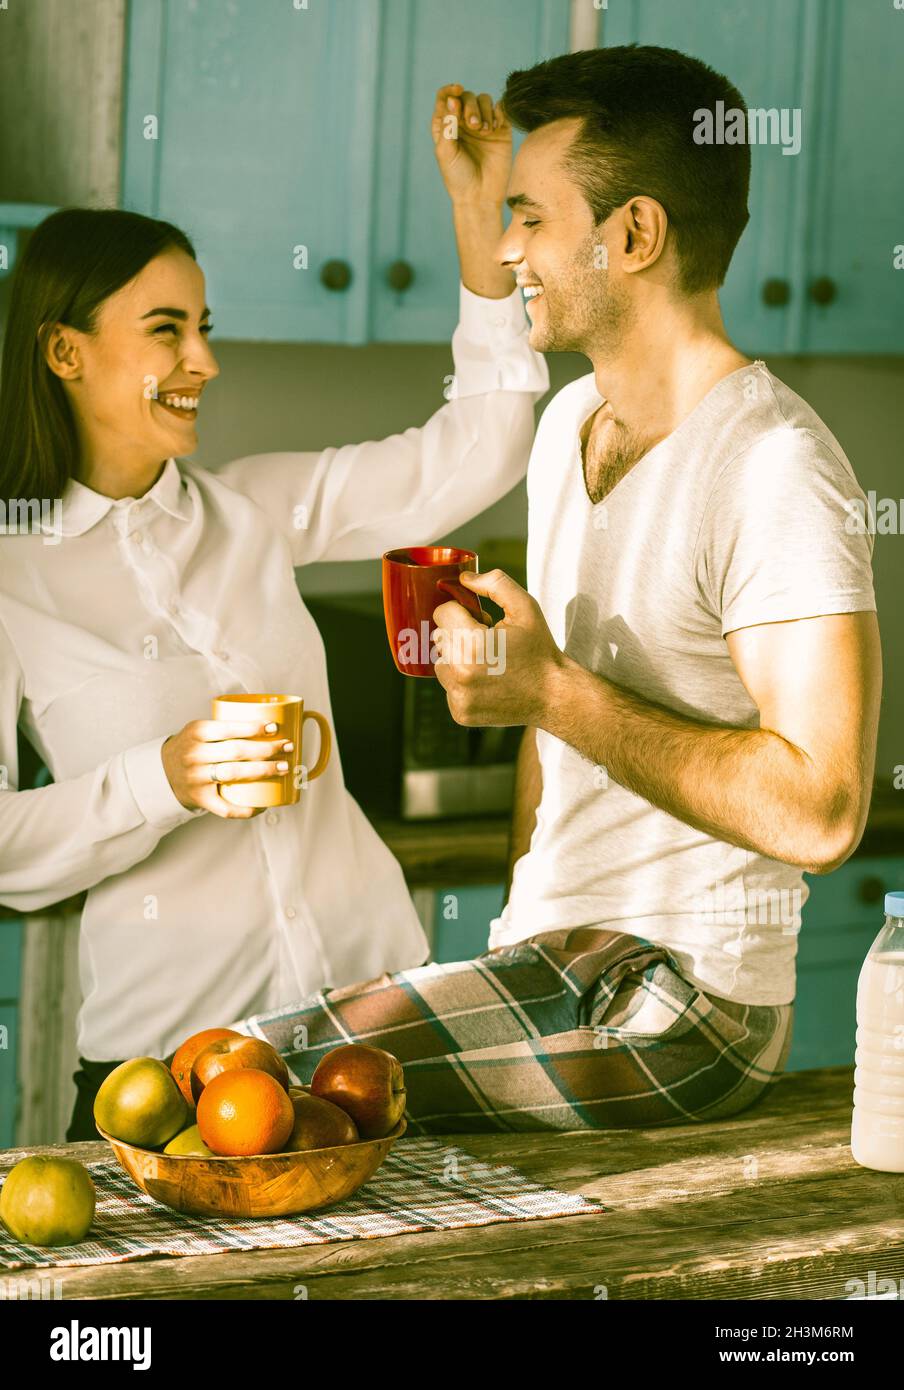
{"x": 49, "y": 1001}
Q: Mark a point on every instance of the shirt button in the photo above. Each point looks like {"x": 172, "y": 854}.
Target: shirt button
{"x": 221, "y": 656}
{"x": 290, "y": 913}
{"x": 137, "y": 537}
{"x": 271, "y": 819}
{"x": 174, "y": 609}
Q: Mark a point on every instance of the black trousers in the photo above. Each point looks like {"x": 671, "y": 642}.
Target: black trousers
{"x": 87, "y": 1084}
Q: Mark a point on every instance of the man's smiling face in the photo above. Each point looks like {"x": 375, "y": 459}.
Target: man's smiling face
{"x": 560, "y": 256}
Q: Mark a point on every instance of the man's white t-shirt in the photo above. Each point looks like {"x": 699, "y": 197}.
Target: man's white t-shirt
{"x": 745, "y": 514}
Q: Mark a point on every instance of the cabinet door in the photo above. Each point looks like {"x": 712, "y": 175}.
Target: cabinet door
{"x": 461, "y": 921}
{"x": 427, "y": 43}
{"x": 263, "y": 145}
{"x": 760, "y": 46}
{"x": 857, "y": 214}
{"x": 10, "y": 971}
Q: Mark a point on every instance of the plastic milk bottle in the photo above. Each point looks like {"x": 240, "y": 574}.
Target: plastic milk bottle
{"x": 877, "y": 1131}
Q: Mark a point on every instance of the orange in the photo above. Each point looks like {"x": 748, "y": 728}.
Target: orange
{"x": 185, "y": 1054}
{"x": 245, "y": 1112}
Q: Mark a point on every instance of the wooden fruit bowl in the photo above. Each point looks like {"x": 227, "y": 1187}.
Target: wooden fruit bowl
{"x": 262, "y": 1185}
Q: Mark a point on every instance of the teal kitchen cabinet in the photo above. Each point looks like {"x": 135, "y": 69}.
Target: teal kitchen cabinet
{"x": 10, "y": 970}
{"x": 292, "y": 144}
{"x": 426, "y": 43}
{"x": 854, "y": 298}
{"x": 814, "y": 269}
{"x": 757, "y": 47}
{"x": 461, "y": 920}
{"x": 249, "y": 123}
{"x": 841, "y": 919}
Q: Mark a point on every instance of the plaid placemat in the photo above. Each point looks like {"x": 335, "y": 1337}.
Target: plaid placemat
{"x": 422, "y": 1185}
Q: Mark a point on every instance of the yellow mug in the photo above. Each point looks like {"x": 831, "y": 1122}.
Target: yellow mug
{"x": 288, "y": 713}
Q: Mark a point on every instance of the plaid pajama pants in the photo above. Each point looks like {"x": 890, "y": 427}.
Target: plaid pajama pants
{"x": 568, "y": 1030}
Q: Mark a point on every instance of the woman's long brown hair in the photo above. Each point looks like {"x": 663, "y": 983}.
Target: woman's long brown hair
{"x": 74, "y": 260}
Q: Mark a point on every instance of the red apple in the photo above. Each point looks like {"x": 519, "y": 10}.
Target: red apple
{"x": 185, "y": 1055}
{"x": 230, "y": 1054}
{"x": 319, "y": 1124}
{"x": 367, "y": 1083}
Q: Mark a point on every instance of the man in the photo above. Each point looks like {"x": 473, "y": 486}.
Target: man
{"x": 697, "y": 662}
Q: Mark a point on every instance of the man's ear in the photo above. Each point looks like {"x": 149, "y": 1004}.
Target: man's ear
{"x": 61, "y": 350}
{"x": 645, "y": 224}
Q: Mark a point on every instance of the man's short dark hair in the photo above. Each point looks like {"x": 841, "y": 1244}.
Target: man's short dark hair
{"x": 638, "y": 106}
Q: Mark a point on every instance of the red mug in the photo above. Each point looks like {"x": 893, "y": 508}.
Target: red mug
{"x": 417, "y": 580}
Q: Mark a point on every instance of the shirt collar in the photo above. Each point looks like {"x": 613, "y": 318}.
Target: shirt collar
{"x": 83, "y": 508}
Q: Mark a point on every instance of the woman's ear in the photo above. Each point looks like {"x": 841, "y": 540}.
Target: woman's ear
{"x": 61, "y": 351}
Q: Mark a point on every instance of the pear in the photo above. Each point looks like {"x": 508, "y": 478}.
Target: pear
{"x": 189, "y": 1143}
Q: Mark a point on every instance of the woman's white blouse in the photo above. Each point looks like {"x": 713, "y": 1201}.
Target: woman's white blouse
{"x": 119, "y": 626}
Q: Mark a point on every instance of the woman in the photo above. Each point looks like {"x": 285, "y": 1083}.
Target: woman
{"x": 152, "y": 585}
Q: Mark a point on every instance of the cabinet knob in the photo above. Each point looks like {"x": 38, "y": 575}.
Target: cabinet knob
{"x": 336, "y": 275}
{"x": 823, "y": 290}
{"x": 871, "y": 889}
{"x": 776, "y": 292}
{"x": 400, "y": 275}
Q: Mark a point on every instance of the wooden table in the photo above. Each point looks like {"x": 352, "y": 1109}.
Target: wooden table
{"x": 767, "y": 1205}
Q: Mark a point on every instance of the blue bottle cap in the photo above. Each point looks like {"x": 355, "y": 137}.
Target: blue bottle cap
{"x": 894, "y": 904}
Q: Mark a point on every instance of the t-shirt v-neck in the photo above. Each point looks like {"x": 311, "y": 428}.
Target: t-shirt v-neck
{"x": 591, "y": 410}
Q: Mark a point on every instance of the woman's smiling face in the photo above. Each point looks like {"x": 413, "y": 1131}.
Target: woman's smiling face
{"x": 135, "y": 383}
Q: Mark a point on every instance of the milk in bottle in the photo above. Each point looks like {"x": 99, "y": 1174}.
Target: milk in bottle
{"x": 877, "y": 1130}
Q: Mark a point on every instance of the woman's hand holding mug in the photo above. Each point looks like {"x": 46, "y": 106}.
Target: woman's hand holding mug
{"x": 209, "y": 751}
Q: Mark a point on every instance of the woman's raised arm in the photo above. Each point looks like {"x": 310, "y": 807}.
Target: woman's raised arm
{"x": 354, "y": 502}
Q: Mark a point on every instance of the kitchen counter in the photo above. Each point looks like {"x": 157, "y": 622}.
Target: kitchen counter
{"x": 440, "y": 854}
{"x": 766, "y": 1205}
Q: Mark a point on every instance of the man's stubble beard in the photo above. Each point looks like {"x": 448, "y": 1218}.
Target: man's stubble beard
{"x": 591, "y": 315}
